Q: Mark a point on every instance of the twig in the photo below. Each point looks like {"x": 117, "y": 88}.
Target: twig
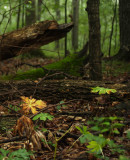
{"x": 17, "y": 138}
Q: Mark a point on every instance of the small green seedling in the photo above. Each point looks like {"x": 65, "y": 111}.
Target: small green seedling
{"x": 15, "y": 108}
{"x": 43, "y": 116}
{"x": 102, "y": 90}
{"x": 61, "y": 105}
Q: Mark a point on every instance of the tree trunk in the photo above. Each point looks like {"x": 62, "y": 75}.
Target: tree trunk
{"x": 94, "y": 40}
{"x": 39, "y": 10}
{"x": 58, "y": 16}
{"x": 66, "y": 53}
{"x": 19, "y": 13}
{"x": 124, "y": 21}
{"x": 75, "y": 6}
{"x": 30, "y": 12}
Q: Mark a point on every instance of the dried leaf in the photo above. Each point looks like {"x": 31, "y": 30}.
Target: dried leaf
{"x": 31, "y": 105}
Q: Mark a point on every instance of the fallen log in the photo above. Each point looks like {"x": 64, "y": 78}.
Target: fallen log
{"x": 31, "y": 37}
{"x": 57, "y": 90}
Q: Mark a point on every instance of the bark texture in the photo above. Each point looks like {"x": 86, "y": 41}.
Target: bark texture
{"x": 75, "y": 5}
{"x": 124, "y": 21}
{"x": 31, "y": 37}
{"x": 94, "y": 40}
{"x": 30, "y": 12}
{"x": 56, "y": 90}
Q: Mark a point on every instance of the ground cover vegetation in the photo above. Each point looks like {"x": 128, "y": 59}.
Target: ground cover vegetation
{"x": 64, "y": 79}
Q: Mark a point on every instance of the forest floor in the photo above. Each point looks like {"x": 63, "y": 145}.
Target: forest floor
{"x": 62, "y": 135}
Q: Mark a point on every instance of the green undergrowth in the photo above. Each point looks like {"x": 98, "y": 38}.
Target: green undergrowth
{"x": 115, "y": 68}
{"x": 70, "y": 65}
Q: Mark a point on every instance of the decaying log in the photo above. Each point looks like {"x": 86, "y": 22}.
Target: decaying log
{"x": 56, "y": 90}
{"x": 31, "y": 37}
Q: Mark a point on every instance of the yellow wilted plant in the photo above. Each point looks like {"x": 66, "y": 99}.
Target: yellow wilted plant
{"x": 30, "y": 105}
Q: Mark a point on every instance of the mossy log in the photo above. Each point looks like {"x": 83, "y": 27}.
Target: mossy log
{"x": 56, "y": 90}
{"x": 31, "y": 37}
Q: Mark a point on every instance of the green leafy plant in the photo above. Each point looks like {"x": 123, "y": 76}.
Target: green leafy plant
{"x": 123, "y": 157}
{"x": 96, "y": 143}
{"x": 43, "y": 116}
{"x": 109, "y": 125}
{"x": 20, "y": 154}
{"x": 61, "y": 105}
{"x": 102, "y": 90}
{"x": 128, "y": 134}
{"x": 15, "y": 108}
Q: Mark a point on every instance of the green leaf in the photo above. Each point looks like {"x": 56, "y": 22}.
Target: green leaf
{"x": 3, "y": 153}
{"x": 112, "y": 144}
{"x": 61, "y": 102}
{"x": 117, "y": 125}
{"x": 30, "y": 2}
{"x": 86, "y": 137}
{"x": 20, "y": 154}
{"x": 44, "y": 130}
{"x": 83, "y": 130}
{"x": 95, "y": 147}
{"x": 37, "y": 116}
{"x": 123, "y": 157}
{"x": 128, "y": 134}
{"x": 104, "y": 130}
{"x": 46, "y": 116}
{"x": 95, "y": 128}
{"x": 116, "y": 131}
{"x": 106, "y": 123}
{"x": 113, "y": 118}
{"x": 43, "y": 116}
{"x": 102, "y": 90}
{"x": 100, "y": 119}
{"x": 58, "y": 107}
{"x": 83, "y": 139}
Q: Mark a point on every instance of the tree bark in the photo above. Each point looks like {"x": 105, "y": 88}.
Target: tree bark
{"x": 31, "y": 37}
{"x": 94, "y": 40}
{"x": 124, "y": 21}
{"x": 76, "y": 24}
{"x": 30, "y": 12}
{"x": 57, "y": 90}
{"x": 58, "y": 16}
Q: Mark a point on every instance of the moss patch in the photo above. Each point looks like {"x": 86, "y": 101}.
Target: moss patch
{"x": 71, "y": 65}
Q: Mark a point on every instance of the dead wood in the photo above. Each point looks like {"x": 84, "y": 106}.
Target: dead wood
{"x": 31, "y": 37}
{"x": 56, "y": 90}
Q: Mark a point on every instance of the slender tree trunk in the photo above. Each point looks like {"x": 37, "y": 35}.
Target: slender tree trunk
{"x": 38, "y": 4}
{"x": 112, "y": 28}
{"x": 30, "y": 12}
{"x": 105, "y": 31}
{"x": 57, "y": 3}
{"x": 94, "y": 40}
{"x": 76, "y": 24}
{"x": 66, "y": 22}
{"x": 23, "y": 14}
{"x": 124, "y": 17}
{"x": 19, "y": 13}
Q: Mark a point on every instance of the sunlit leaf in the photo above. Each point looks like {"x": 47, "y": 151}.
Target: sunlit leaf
{"x": 95, "y": 147}
{"x": 31, "y": 105}
{"x": 102, "y": 90}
